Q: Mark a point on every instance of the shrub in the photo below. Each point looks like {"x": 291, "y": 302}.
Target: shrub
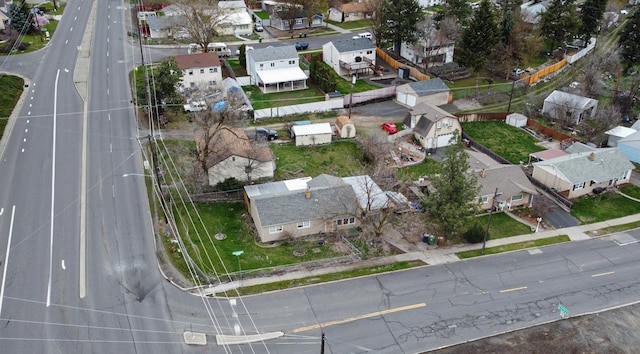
{"x": 475, "y": 234}
{"x": 229, "y": 184}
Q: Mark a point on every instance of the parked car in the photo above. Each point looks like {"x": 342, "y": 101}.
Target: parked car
{"x": 268, "y": 134}
{"x": 258, "y": 27}
{"x": 390, "y": 127}
{"x": 301, "y": 45}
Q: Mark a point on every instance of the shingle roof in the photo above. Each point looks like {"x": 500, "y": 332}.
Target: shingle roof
{"x": 341, "y": 121}
{"x": 509, "y": 179}
{"x": 352, "y": 7}
{"x": 569, "y": 100}
{"x": 426, "y": 87}
{"x": 429, "y": 115}
{"x": 229, "y": 141}
{"x": 576, "y": 168}
{"x": 199, "y": 60}
{"x": 273, "y": 53}
{"x": 352, "y": 44}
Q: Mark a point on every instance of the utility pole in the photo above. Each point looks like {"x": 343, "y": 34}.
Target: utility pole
{"x": 353, "y": 82}
{"x": 513, "y": 86}
{"x": 322, "y": 344}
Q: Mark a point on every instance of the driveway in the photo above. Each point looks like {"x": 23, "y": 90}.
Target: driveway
{"x": 552, "y": 214}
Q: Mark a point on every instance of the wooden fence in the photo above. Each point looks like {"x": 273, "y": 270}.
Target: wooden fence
{"x": 481, "y": 116}
{"x": 396, "y": 64}
{"x": 548, "y": 131}
{"x": 372, "y": 95}
{"x": 546, "y": 71}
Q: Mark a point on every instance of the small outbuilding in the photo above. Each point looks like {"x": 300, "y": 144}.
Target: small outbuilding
{"x": 617, "y": 134}
{"x": 312, "y": 134}
{"x": 433, "y": 91}
{"x": 345, "y": 127}
{"x": 517, "y": 120}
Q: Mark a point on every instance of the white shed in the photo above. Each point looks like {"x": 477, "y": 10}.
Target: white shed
{"x": 312, "y": 134}
{"x": 517, "y": 120}
{"x": 618, "y": 133}
{"x": 345, "y": 127}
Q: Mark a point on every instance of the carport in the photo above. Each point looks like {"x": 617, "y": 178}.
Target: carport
{"x": 277, "y": 80}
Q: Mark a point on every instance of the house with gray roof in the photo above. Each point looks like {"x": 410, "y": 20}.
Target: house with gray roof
{"x": 352, "y": 56}
{"x": 309, "y": 206}
{"x": 432, "y": 126}
{"x": 514, "y": 188}
{"x": 569, "y": 108}
{"x": 579, "y": 173}
{"x": 434, "y": 92}
{"x": 276, "y": 69}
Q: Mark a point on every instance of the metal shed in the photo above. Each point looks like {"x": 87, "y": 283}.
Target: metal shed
{"x": 312, "y": 134}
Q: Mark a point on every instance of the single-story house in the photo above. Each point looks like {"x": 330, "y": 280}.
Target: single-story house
{"x": 312, "y": 134}
{"x": 514, "y": 188}
{"x": 630, "y": 147}
{"x": 568, "y": 107}
{"x": 231, "y": 154}
{"x": 433, "y": 92}
{"x": 577, "y": 174}
{"x": 280, "y": 19}
{"x": 351, "y": 11}
{"x": 305, "y": 206}
{"x": 517, "y": 120}
{"x": 201, "y": 70}
{"x": 350, "y": 56}
{"x": 432, "y": 126}
{"x": 276, "y": 69}
{"x": 345, "y": 127}
{"x": 618, "y": 133}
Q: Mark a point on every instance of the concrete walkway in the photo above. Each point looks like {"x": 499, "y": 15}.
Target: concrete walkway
{"x": 430, "y": 255}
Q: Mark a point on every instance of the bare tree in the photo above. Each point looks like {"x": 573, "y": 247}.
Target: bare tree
{"x": 209, "y": 124}
{"x": 375, "y": 147}
{"x": 450, "y": 28}
{"x": 430, "y": 42}
{"x": 201, "y": 19}
{"x": 378, "y": 26}
{"x": 594, "y": 128}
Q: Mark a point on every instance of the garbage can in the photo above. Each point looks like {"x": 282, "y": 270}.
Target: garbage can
{"x": 260, "y": 40}
{"x": 425, "y": 237}
{"x": 432, "y": 240}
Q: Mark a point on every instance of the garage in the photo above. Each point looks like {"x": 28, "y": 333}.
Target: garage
{"x": 406, "y": 99}
{"x": 443, "y": 140}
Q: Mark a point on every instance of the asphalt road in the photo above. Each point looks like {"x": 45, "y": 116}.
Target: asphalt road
{"x": 48, "y": 211}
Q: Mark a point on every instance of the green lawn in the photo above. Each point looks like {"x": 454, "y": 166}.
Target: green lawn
{"x": 12, "y": 87}
{"x": 227, "y": 218}
{"x": 514, "y": 246}
{"x": 509, "y": 142}
{"x": 260, "y": 100}
{"x": 426, "y": 168}
{"x": 344, "y": 86}
{"x": 262, "y": 14}
{"x": 631, "y": 190}
{"x": 502, "y": 225}
{"x": 363, "y": 24}
{"x": 340, "y": 158}
{"x": 603, "y": 207}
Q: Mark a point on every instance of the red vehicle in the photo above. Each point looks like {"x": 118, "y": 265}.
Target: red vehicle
{"x": 389, "y": 127}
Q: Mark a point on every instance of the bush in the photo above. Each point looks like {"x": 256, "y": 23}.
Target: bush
{"x": 229, "y": 184}
{"x": 475, "y": 234}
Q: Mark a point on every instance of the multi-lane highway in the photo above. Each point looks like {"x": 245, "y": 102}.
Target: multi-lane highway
{"x": 77, "y": 254}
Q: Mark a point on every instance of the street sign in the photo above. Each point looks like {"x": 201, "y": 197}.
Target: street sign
{"x": 563, "y": 311}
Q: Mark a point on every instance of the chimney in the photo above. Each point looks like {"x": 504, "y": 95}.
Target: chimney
{"x": 483, "y": 173}
{"x": 592, "y": 156}
{"x": 307, "y": 193}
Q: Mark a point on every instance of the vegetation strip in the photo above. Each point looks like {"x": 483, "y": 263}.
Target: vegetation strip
{"x": 514, "y": 246}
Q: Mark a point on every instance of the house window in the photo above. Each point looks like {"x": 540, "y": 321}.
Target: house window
{"x": 304, "y": 224}
{"x": 192, "y": 85}
{"x": 298, "y": 21}
{"x": 292, "y": 62}
{"x": 369, "y": 51}
{"x": 273, "y": 65}
{"x": 261, "y": 66}
{"x": 212, "y": 83}
{"x": 439, "y": 124}
{"x": 625, "y": 175}
{"x": 275, "y": 229}
{"x": 190, "y": 72}
{"x": 516, "y": 198}
{"x": 484, "y": 200}
{"x": 201, "y": 71}
{"x": 578, "y": 186}
{"x": 213, "y": 70}
{"x": 346, "y": 221}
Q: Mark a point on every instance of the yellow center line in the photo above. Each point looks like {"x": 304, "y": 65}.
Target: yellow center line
{"x": 601, "y": 274}
{"x": 356, "y": 318}
{"x": 513, "y": 289}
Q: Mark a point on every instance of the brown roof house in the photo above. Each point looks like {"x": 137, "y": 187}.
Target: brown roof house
{"x": 432, "y": 126}
{"x": 351, "y": 11}
{"x": 202, "y": 70}
{"x": 231, "y": 154}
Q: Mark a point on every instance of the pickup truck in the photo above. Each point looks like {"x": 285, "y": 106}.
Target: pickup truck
{"x": 195, "y": 106}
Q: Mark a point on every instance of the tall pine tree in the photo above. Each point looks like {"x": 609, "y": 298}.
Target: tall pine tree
{"x": 629, "y": 42}
{"x": 402, "y": 17}
{"x": 18, "y": 17}
{"x": 559, "y": 23}
{"x": 591, "y": 14}
{"x": 480, "y": 37}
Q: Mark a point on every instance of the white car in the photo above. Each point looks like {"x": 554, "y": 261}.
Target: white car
{"x": 258, "y": 27}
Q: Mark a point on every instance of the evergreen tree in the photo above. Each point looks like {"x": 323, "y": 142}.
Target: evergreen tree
{"x": 508, "y": 22}
{"x": 452, "y": 204}
{"x": 402, "y": 17}
{"x": 560, "y": 22}
{"x": 629, "y": 42}
{"x": 458, "y": 9}
{"x": 480, "y": 37}
{"x": 19, "y": 17}
{"x": 591, "y": 14}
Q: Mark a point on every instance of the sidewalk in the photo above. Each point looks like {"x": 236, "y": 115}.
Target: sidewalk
{"x": 419, "y": 251}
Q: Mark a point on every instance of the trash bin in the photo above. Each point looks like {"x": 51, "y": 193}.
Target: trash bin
{"x": 305, "y": 35}
{"x": 425, "y": 237}
{"x": 432, "y": 240}
{"x": 260, "y": 40}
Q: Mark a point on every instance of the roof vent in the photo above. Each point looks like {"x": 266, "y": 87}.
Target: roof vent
{"x": 307, "y": 193}
{"x": 483, "y": 173}
{"x": 592, "y": 156}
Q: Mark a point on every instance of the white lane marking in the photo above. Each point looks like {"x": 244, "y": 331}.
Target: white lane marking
{"x": 29, "y": 113}
{"x": 24, "y": 140}
{"x": 6, "y": 258}
{"x": 26, "y": 130}
{"x": 71, "y": 29}
{"x": 22, "y": 150}
{"x": 1, "y": 211}
{"x": 513, "y": 289}
{"x": 30, "y": 104}
{"x": 27, "y": 121}
{"x": 75, "y": 18}
{"x": 66, "y": 42}
{"x": 63, "y": 266}
{"x": 66, "y": 70}
{"x": 83, "y": 206}
{"x": 53, "y": 184}
{"x": 601, "y": 274}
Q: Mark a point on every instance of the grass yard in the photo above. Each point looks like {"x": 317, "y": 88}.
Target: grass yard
{"x": 603, "y": 207}
{"x": 514, "y": 246}
{"x": 262, "y": 14}
{"x": 340, "y": 158}
{"x": 363, "y": 24}
{"x": 509, "y": 142}
{"x": 631, "y": 190}
{"x": 12, "y": 87}
{"x": 229, "y": 218}
{"x": 344, "y": 86}
{"x": 261, "y": 100}
{"x": 502, "y": 226}
{"x": 426, "y": 168}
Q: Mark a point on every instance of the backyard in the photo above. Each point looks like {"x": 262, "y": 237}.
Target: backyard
{"x": 511, "y": 143}
{"x": 261, "y": 100}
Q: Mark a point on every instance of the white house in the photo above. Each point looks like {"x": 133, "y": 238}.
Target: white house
{"x": 237, "y": 20}
{"x": 432, "y": 50}
{"x": 312, "y": 134}
{"x": 276, "y": 69}
{"x": 201, "y": 70}
{"x": 350, "y": 56}
{"x": 568, "y": 107}
{"x": 433, "y": 91}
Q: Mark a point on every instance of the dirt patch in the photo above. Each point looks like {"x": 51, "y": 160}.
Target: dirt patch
{"x": 613, "y": 331}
